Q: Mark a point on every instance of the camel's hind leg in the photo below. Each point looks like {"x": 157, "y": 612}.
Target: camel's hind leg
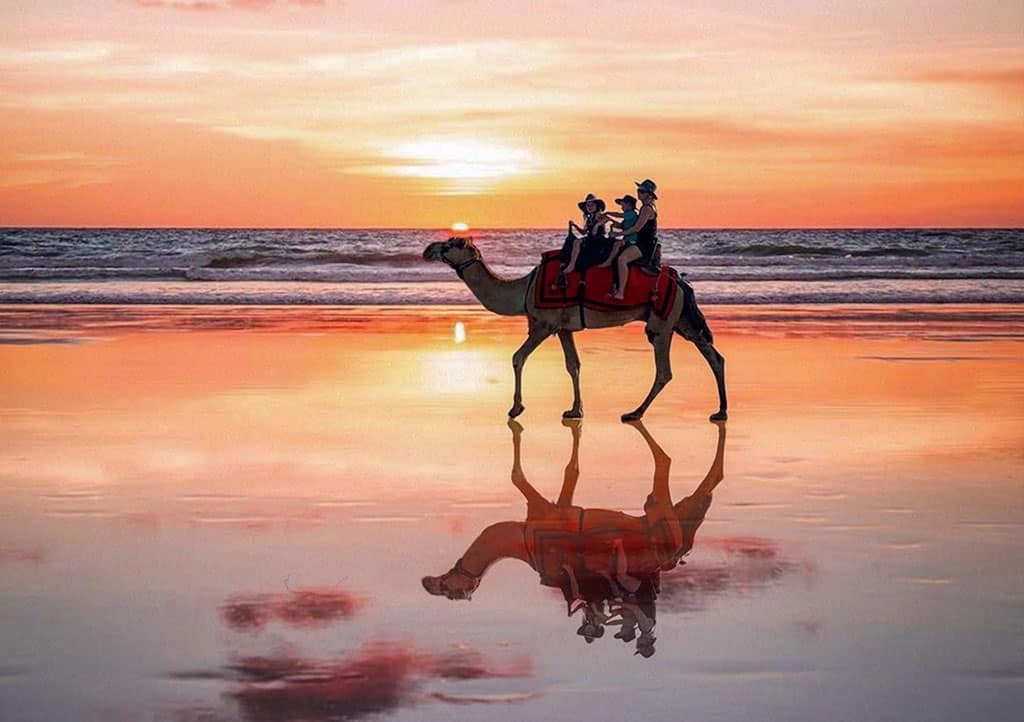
{"x": 572, "y": 365}
{"x": 715, "y": 360}
{"x": 533, "y": 340}
{"x": 662, "y": 465}
{"x": 662, "y": 342}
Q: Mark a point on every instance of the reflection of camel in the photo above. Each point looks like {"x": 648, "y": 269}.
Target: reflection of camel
{"x": 594, "y": 556}
{"x": 516, "y": 298}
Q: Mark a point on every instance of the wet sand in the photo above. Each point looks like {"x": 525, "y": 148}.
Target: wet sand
{"x": 224, "y": 513}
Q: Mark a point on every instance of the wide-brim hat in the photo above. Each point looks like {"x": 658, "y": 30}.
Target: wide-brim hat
{"x": 648, "y": 186}
{"x": 591, "y": 197}
{"x": 626, "y": 199}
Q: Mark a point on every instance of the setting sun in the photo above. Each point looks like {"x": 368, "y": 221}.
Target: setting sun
{"x": 460, "y": 227}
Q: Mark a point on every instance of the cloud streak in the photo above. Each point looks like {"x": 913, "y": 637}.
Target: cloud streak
{"x": 1005, "y": 79}
{"x": 303, "y": 609}
{"x": 218, "y": 5}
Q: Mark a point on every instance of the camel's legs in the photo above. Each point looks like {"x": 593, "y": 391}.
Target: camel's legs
{"x": 662, "y": 343}
{"x": 717, "y": 471}
{"x": 572, "y": 469}
{"x": 692, "y": 509}
{"x": 532, "y": 496}
{"x": 572, "y": 365}
{"x": 717, "y": 363}
{"x": 662, "y": 465}
{"x": 533, "y": 340}
{"x": 715, "y": 360}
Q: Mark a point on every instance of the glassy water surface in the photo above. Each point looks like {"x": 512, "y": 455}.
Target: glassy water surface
{"x": 210, "y": 524}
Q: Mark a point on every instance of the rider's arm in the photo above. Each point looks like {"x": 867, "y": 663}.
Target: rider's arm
{"x": 641, "y": 221}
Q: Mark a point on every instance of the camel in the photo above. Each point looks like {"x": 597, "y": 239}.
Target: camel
{"x": 592, "y": 555}
{"x": 515, "y": 297}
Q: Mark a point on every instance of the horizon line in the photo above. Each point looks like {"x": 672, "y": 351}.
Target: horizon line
{"x": 501, "y": 228}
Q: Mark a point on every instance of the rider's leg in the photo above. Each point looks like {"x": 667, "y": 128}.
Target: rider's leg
{"x": 627, "y": 256}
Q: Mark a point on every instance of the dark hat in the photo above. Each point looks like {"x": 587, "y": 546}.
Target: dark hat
{"x": 591, "y": 197}
{"x": 626, "y": 199}
{"x": 647, "y": 185}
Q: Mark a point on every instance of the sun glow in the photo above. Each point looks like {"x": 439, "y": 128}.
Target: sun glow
{"x": 469, "y": 165}
{"x": 460, "y": 332}
{"x": 460, "y": 227}
{"x": 459, "y": 371}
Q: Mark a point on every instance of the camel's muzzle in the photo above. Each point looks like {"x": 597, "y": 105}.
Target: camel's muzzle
{"x": 432, "y": 252}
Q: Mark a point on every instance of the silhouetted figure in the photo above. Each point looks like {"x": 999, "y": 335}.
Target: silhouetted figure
{"x": 585, "y": 245}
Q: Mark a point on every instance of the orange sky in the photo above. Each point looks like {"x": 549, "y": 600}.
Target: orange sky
{"x": 329, "y": 113}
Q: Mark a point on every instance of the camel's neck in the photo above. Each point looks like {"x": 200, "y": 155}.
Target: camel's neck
{"x": 505, "y": 298}
{"x": 503, "y": 540}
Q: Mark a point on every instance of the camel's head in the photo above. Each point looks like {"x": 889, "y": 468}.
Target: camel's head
{"x": 456, "y": 252}
{"x": 456, "y": 584}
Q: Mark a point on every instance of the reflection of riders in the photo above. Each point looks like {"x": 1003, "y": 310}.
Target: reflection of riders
{"x": 606, "y": 563}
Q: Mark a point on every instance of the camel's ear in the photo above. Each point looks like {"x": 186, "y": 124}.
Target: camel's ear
{"x": 456, "y": 242}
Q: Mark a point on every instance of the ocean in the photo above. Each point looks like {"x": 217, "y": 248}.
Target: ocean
{"x": 385, "y": 267}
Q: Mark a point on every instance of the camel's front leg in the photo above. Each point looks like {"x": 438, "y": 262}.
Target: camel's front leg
{"x": 717, "y": 363}
{"x": 662, "y": 343}
{"x": 518, "y": 361}
{"x": 572, "y": 365}
{"x": 532, "y": 496}
{"x": 572, "y": 469}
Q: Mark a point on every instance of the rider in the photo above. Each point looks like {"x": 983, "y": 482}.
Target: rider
{"x": 627, "y": 218}
{"x": 590, "y": 245}
{"x": 645, "y": 230}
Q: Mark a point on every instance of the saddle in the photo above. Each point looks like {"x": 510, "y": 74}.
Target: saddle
{"x": 589, "y": 288}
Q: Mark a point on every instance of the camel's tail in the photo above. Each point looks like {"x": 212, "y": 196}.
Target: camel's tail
{"x": 692, "y": 319}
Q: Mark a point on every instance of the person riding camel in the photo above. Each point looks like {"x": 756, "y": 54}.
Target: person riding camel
{"x": 585, "y": 245}
{"x": 626, "y": 218}
{"x": 644, "y": 230}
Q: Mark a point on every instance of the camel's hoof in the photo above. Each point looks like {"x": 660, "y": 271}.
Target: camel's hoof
{"x": 720, "y": 416}
{"x": 632, "y": 416}
{"x": 516, "y": 410}
{"x": 573, "y": 414}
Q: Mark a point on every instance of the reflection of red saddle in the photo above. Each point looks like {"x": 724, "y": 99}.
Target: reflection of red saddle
{"x": 659, "y": 291}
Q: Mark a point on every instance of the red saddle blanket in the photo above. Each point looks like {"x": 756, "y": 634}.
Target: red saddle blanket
{"x": 590, "y": 288}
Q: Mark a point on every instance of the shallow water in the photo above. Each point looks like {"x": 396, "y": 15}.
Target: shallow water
{"x": 226, "y": 515}
{"x": 386, "y": 267}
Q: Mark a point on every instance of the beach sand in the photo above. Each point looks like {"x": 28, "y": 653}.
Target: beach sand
{"x": 193, "y": 499}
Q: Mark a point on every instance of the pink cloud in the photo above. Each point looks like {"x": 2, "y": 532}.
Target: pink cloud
{"x": 16, "y": 553}
{"x": 304, "y": 609}
{"x": 380, "y": 677}
{"x": 750, "y": 565}
{"x": 1004, "y": 78}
